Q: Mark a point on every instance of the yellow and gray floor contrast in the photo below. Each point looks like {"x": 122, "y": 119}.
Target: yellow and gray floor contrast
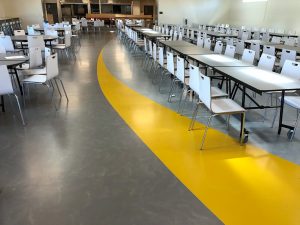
{"x": 119, "y": 154}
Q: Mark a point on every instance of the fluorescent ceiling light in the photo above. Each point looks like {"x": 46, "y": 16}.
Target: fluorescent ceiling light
{"x": 255, "y": 0}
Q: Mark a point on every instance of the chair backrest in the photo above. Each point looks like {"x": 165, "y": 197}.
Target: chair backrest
{"x": 180, "y": 36}
{"x": 47, "y": 52}
{"x": 194, "y": 74}
{"x": 256, "y": 47}
{"x": 7, "y": 43}
{"x": 207, "y": 43}
{"x": 245, "y": 35}
{"x": 52, "y": 66}
{"x": 36, "y": 41}
{"x": 266, "y": 62}
{"x": 276, "y": 40}
{"x": 291, "y": 68}
{"x": 205, "y": 90}
{"x": 19, "y": 32}
{"x": 248, "y": 56}
{"x": 5, "y": 81}
{"x": 287, "y": 55}
{"x": 161, "y": 56}
{"x": 270, "y": 50}
{"x": 170, "y": 62}
{"x": 35, "y": 57}
{"x": 218, "y": 47}
{"x": 240, "y": 46}
{"x": 180, "y": 69}
{"x": 230, "y": 51}
{"x": 2, "y": 49}
{"x": 200, "y": 41}
{"x": 150, "y": 47}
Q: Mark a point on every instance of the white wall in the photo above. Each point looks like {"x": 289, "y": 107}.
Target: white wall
{"x": 2, "y": 10}
{"x": 274, "y": 13}
{"x": 281, "y": 14}
{"x": 196, "y": 11}
{"x": 29, "y": 11}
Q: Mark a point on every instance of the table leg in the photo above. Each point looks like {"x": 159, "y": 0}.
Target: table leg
{"x": 19, "y": 83}
{"x": 2, "y": 103}
{"x": 244, "y": 96}
{"x": 281, "y": 112}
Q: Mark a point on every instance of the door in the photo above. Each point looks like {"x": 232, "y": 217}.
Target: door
{"x": 148, "y": 10}
{"x": 51, "y": 12}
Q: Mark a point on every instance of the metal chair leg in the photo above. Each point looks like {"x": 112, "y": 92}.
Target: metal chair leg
{"x": 20, "y": 110}
{"x": 63, "y": 89}
{"x": 191, "y": 126}
{"x": 57, "y": 88}
{"x": 205, "y": 132}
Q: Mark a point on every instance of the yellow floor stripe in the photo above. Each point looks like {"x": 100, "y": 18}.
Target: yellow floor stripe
{"x": 240, "y": 185}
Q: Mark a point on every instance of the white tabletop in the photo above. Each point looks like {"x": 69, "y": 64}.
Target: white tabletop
{"x": 219, "y": 61}
{"x": 260, "y": 80}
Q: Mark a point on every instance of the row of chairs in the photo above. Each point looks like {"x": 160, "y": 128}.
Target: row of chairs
{"x": 7, "y": 26}
{"x": 34, "y": 73}
{"x": 167, "y": 66}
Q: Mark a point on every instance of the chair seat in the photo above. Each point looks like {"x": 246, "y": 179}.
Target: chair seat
{"x": 36, "y": 79}
{"x": 29, "y": 72}
{"x": 217, "y": 93}
{"x": 24, "y": 66}
{"x": 225, "y": 106}
{"x": 59, "y": 46}
{"x": 293, "y": 101}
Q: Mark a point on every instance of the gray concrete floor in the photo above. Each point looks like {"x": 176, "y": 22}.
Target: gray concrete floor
{"x": 261, "y": 133}
{"x": 81, "y": 164}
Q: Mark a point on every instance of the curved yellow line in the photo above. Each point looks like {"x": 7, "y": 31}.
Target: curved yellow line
{"x": 241, "y": 184}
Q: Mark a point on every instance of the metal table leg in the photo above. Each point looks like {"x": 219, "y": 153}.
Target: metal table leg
{"x": 19, "y": 83}
{"x": 281, "y": 112}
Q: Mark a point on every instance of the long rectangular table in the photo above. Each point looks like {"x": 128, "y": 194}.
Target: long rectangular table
{"x": 176, "y": 43}
{"x": 260, "y": 81}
